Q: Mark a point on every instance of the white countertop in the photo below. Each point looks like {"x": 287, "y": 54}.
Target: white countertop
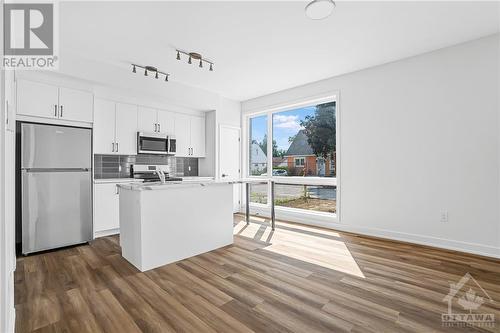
{"x": 185, "y": 183}
{"x": 116, "y": 180}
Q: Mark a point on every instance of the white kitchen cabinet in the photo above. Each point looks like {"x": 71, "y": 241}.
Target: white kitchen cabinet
{"x": 155, "y": 121}
{"x": 115, "y": 128}
{"x": 183, "y": 135}
{"x": 166, "y": 122}
{"x": 126, "y": 129}
{"x": 75, "y": 105}
{"x": 44, "y": 100}
{"x": 106, "y": 208}
{"x": 147, "y": 119}
{"x": 104, "y": 126}
{"x": 37, "y": 99}
{"x": 198, "y": 136}
{"x": 190, "y": 135}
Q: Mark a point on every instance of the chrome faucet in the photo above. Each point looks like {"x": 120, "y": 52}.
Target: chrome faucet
{"x": 161, "y": 174}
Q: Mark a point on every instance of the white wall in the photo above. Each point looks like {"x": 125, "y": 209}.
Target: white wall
{"x": 419, "y": 136}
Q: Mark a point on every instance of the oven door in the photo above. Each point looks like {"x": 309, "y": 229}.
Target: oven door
{"x": 152, "y": 143}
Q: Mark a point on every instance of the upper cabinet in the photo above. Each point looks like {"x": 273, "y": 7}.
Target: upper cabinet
{"x": 126, "y": 129}
{"x": 147, "y": 119}
{"x": 37, "y": 99}
{"x": 166, "y": 122}
{"x": 190, "y": 135}
{"x": 75, "y": 105}
{"x": 48, "y": 101}
{"x": 197, "y": 136}
{"x": 115, "y": 128}
{"x": 156, "y": 121}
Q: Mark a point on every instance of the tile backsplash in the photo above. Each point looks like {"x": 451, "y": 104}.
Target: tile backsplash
{"x": 118, "y": 166}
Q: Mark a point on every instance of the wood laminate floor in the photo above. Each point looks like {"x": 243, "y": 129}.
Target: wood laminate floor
{"x": 296, "y": 279}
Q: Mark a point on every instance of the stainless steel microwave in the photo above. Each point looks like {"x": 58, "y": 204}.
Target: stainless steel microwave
{"x": 155, "y": 143}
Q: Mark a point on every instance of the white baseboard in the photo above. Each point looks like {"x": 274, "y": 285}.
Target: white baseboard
{"x": 332, "y": 223}
{"x": 104, "y": 233}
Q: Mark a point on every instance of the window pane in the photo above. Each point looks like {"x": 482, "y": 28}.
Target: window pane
{"x": 258, "y": 146}
{"x": 258, "y": 193}
{"x": 309, "y": 197}
{"x": 304, "y": 141}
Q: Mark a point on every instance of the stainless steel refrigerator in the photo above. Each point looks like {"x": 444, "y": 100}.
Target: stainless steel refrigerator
{"x": 56, "y": 186}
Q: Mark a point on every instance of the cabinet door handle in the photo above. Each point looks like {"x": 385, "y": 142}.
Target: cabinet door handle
{"x": 61, "y": 114}
{"x": 159, "y": 127}
{"x": 113, "y": 147}
{"x": 156, "y": 127}
{"x": 117, "y": 147}
{"x": 55, "y": 110}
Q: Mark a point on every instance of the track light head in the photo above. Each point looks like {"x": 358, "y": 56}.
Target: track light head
{"x": 156, "y": 76}
{"x": 189, "y": 60}
{"x": 211, "y": 68}
{"x": 145, "y": 72}
{"x": 178, "y": 55}
{"x": 133, "y": 69}
{"x": 201, "y": 63}
{"x": 166, "y": 78}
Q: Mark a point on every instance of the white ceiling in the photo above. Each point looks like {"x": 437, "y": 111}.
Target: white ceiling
{"x": 263, "y": 47}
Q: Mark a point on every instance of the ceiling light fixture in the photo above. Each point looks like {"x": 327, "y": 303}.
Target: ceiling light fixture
{"x": 320, "y": 9}
{"x": 195, "y": 56}
{"x": 150, "y": 69}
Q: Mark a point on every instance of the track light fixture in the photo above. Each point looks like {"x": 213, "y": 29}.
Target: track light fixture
{"x": 150, "y": 69}
{"x": 195, "y": 56}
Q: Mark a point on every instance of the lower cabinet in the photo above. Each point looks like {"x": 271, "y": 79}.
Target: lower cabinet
{"x": 106, "y": 209}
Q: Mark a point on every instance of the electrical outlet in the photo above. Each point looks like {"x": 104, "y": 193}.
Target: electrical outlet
{"x": 444, "y": 216}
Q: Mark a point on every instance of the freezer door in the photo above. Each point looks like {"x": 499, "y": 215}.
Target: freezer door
{"x": 56, "y": 209}
{"x": 49, "y": 146}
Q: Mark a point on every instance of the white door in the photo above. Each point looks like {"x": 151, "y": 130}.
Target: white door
{"x": 126, "y": 129}
{"x": 166, "y": 122}
{"x": 37, "y": 99}
{"x": 198, "y": 136}
{"x": 229, "y": 159}
{"x": 104, "y": 126}
{"x": 75, "y": 105}
{"x": 183, "y": 135}
{"x": 106, "y": 207}
{"x": 147, "y": 119}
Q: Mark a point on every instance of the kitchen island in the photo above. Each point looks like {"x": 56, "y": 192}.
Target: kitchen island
{"x": 164, "y": 223}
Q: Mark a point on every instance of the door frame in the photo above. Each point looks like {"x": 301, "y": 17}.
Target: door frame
{"x": 221, "y": 127}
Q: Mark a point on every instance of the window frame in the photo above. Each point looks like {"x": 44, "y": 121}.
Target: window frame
{"x": 295, "y": 180}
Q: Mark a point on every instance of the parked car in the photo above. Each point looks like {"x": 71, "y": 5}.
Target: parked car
{"x": 280, "y": 172}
